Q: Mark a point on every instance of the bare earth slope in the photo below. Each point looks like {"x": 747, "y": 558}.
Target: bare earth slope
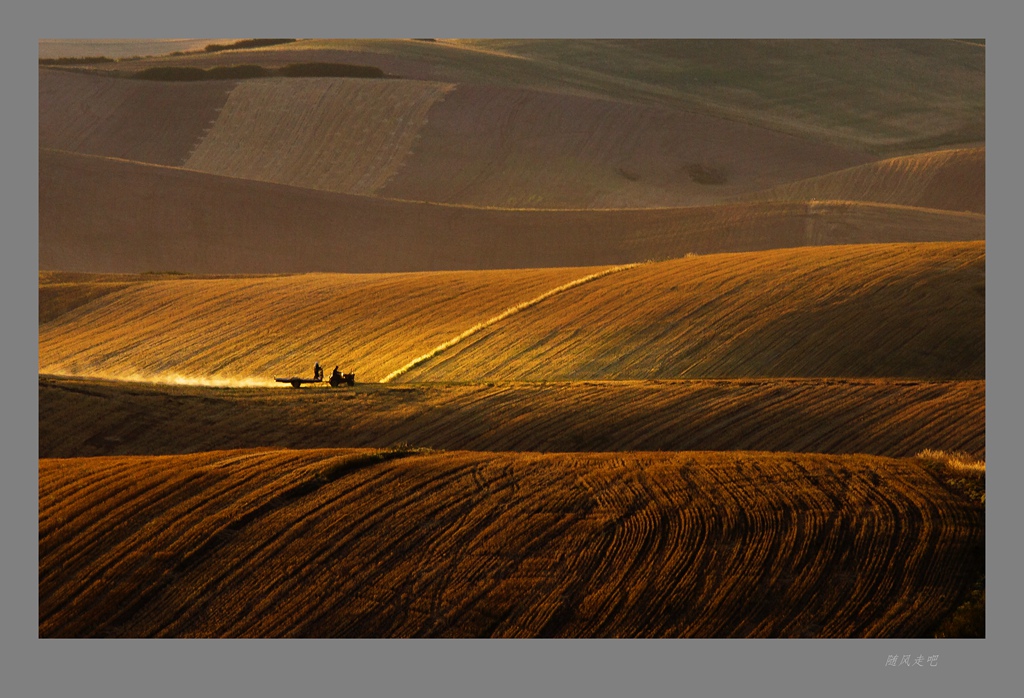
{"x": 852, "y": 310}
{"x": 155, "y": 122}
{"x": 448, "y": 143}
{"x": 104, "y": 215}
{"x": 461, "y": 544}
{"x": 883, "y": 417}
{"x": 523, "y": 148}
{"x": 952, "y": 180}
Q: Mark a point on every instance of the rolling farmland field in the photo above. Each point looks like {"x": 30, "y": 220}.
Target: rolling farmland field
{"x": 951, "y": 180}
{"x": 466, "y": 544}
{"x": 650, "y": 339}
{"x": 890, "y": 417}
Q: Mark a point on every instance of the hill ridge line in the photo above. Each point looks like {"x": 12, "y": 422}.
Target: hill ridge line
{"x": 504, "y": 314}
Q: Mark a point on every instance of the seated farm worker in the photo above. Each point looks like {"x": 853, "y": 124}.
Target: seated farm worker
{"x": 335, "y": 377}
{"x": 318, "y": 373}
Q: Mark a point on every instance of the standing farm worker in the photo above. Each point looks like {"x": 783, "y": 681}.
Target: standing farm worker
{"x": 318, "y": 373}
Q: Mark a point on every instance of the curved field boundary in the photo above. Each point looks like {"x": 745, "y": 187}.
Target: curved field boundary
{"x": 951, "y": 180}
{"x": 889, "y": 418}
{"x": 419, "y": 360}
{"x": 463, "y": 544}
{"x": 246, "y": 330}
{"x": 341, "y": 135}
{"x": 90, "y": 219}
{"x": 912, "y": 310}
{"x": 521, "y": 148}
{"x": 130, "y": 119}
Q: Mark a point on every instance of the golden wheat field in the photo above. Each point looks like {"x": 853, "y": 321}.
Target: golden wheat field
{"x": 656, "y": 339}
{"x": 852, "y": 311}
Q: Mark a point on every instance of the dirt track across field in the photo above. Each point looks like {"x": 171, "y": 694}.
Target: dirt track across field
{"x": 913, "y": 311}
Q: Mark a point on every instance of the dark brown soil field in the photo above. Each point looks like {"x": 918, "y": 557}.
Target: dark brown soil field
{"x": 100, "y": 214}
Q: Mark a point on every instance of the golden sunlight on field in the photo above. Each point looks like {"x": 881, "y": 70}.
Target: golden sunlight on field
{"x": 239, "y": 328}
{"x": 640, "y": 338}
{"x": 90, "y": 417}
{"x": 864, "y": 310}
{"x": 405, "y": 544}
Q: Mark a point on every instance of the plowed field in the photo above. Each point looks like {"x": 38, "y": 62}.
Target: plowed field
{"x": 529, "y": 149}
{"x": 154, "y": 122}
{"x": 427, "y": 141}
{"x": 647, "y": 341}
{"x": 887, "y": 96}
{"x": 882, "y": 417}
{"x": 461, "y": 544}
{"x": 99, "y": 214}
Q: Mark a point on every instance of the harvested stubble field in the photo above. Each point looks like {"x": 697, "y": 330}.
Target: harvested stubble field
{"x": 457, "y": 544}
{"x": 853, "y": 311}
{"x": 913, "y": 310}
{"x": 253, "y": 328}
{"x": 319, "y": 133}
{"x": 900, "y": 418}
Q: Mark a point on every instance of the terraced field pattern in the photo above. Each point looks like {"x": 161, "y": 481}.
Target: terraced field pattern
{"x": 651, "y": 339}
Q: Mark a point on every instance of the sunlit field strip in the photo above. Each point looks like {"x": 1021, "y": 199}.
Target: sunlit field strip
{"x": 498, "y": 318}
{"x": 244, "y": 331}
{"x": 348, "y": 544}
{"x": 850, "y": 311}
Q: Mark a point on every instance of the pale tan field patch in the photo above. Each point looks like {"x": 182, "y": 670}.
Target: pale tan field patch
{"x": 333, "y": 134}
